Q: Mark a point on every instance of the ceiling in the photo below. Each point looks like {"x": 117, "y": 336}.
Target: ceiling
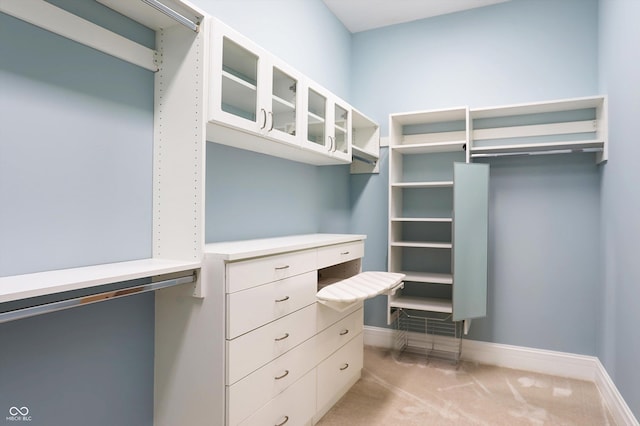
{"x": 362, "y": 15}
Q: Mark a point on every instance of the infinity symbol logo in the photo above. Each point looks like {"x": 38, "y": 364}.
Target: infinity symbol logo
{"x": 14, "y": 411}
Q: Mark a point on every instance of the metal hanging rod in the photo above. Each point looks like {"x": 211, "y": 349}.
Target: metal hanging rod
{"x": 364, "y": 160}
{"x": 549, "y": 152}
{"x": 160, "y": 7}
{"x": 93, "y": 298}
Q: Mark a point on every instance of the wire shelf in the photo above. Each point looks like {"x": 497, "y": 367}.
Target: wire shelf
{"x": 430, "y": 334}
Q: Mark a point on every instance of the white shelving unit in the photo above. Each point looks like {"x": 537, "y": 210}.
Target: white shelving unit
{"x": 365, "y": 134}
{"x": 178, "y": 171}
{"x": 423, "y": 212}
{"x": 562, "y": 126}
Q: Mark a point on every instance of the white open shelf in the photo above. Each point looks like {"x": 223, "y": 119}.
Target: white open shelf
{"x": 422, "y": 244}
{"x": 49, "y": 282}
{"x": 438, "y": 184}
{"x": 429, "y": 147}
{"x": 422, "y": 219}
{"x": 421, "y": 304}
{"x": 428, "y": 277}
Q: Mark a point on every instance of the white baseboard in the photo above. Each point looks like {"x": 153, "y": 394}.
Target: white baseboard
{"x": 562, "y": 364}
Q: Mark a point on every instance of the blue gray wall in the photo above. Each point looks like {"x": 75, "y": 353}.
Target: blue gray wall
{"x": 546, "y": 283}
{"x": 619, "y": 71}
{"x": 76, "y": 130}
{"x": 253, "y": 195}
{"x": 544, "y": 212}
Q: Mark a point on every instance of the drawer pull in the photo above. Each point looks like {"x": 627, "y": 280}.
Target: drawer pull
{"x": 344, "y": 367}
{"x": 286, "y": 419}
{"x": 284, "y": 299}
{"x": 343, "y": 332}
{"x": 282, "y": 338}
{"x": 345, "y": 252}
{"x": 283, "y": 375}
{"x": 279, "y": 268}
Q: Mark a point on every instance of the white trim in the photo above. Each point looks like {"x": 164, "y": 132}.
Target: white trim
{"x": 563, "y": 364}
{"x": 581, "y": 367}
{"x": 616, "y": 403}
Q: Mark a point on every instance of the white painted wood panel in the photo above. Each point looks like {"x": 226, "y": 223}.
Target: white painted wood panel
{"x": 295, "y": 406}
{"x": 249, "y": 394}
{"x": 250, "y": 273}
{"x": 251, "y": 351}
{"x": 251, "y": 308}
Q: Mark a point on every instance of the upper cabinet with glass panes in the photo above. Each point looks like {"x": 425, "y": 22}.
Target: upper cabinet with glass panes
{"x": 257, "y": 102}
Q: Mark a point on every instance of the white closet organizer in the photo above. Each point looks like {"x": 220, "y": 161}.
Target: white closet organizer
{"x": 175, "y": 61}
{"x": 273, "y": 354}
{"x": 178, "y": 167}
{"x": 259, "y": 103}
{"x": 437, "y": 226}
{"x": 562, "y": 126}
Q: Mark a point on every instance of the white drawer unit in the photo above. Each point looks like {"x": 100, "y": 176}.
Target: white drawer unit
{"x": 337, "y": 254}
{"x": 258, "y": 388}
{"x": 295, "y": 406}
{"x": 334, "y": 337}
{"x": 255, "y": 349}
{"x": 287, "y": 358}
{"x": 251, "y": 308}
{"x": 338, "y": 373}
{"x": 250, "y": 273}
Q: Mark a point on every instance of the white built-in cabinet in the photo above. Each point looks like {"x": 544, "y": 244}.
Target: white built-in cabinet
{"x": 252, "y": 91}
{"x": 259, "y": 103}
{"x": 282, "y": 357}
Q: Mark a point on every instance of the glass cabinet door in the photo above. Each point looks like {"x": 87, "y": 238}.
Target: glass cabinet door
{"x": 316, "y": 119}
{"x": 340, "y": 133}
{"x": 239, "y": 81}
{"x": 284, "y": 103}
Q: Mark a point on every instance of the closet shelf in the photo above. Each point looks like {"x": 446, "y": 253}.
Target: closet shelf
{"x": 478, "y": 151}
{"x": 435, "y": 184}
{"x": 18, "y": 287}
{"x": 428, "y": 277}
{"x": 422, "y": 219}
{"x": 421, "y": 304}
{"x": 422, "y": 244}
{"x": 430, "y": 147}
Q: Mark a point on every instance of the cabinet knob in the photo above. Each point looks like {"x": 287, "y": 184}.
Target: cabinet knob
{"x": 344, "y": 367}
{"x": 343, "y": 332}
{"x": 344, "y": 252}
{"x": 279, "y": 268}
{"x": 284, "y": 299}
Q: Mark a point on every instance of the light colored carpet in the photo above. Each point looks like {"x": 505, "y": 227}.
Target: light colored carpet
{"x": 406, "y": 389}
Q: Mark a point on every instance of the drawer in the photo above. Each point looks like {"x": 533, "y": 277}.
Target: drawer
{"x": 249, "y": 394}
{"x": 337, "y": 373}
{"x": 293, "y": 407}
{"x": 338, "y": 334}
{"x": 254, "y": 307}
{"x": 252, "y": 350}
{"x": 327, "y": 316}
{"x": 339, "y": 253}
{"x": 250, "y": 273}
